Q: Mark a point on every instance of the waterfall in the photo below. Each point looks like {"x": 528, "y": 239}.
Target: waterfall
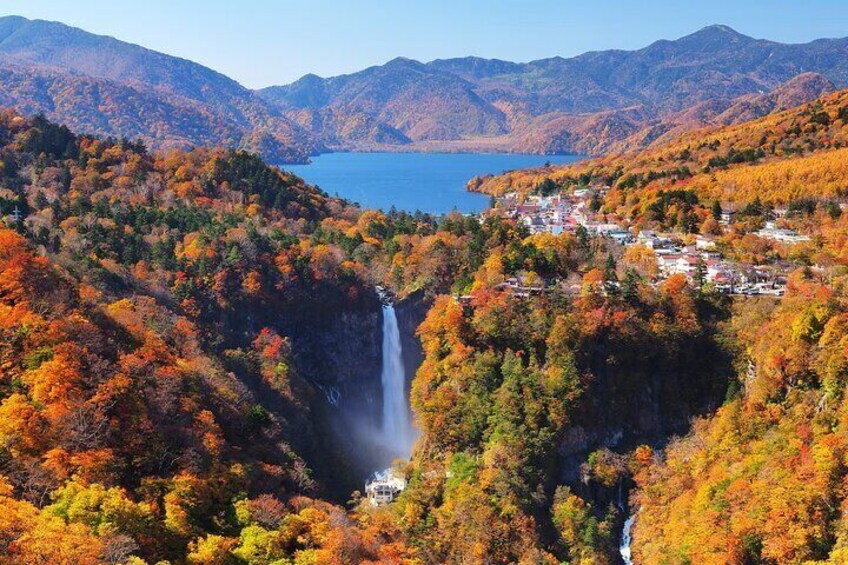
{"x": 396, "y": 430}
{"x": 626, "y": 538}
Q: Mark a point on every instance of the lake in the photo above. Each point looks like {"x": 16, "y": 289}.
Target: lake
{"x": 430, "y": 182}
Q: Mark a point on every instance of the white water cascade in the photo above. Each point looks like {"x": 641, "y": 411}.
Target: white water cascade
{"x": 626, "y": 538}
{"x": 396, "y": 429}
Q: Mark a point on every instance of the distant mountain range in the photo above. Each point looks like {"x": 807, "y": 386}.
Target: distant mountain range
{"x": 104, "y": 86}
{"x": 593, "y": 103}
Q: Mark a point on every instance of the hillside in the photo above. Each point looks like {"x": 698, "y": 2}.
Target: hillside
{"x": 592, "y": 103}
{"x": 762, "y": 479}
{"x": 172, "y": 321}
{"x": 777, "y": 158}
{"x": 107, "y": 87}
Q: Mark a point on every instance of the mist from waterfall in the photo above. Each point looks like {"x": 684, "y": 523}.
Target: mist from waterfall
{"x": 396, "y": 430}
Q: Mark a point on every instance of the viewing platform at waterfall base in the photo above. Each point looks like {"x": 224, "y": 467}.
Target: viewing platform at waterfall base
{"x": 384, "y": 486}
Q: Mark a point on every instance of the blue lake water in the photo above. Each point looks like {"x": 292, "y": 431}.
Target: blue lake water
{"x": 430, "y": 182}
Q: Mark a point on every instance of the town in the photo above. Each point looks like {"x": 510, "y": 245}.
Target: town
{"x": 695, "y": 256}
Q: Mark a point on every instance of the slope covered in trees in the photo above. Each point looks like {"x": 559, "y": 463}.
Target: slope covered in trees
{"x": 148, "y": 413}
{"x": 761, "y": 480}
{"x": 514, "y": 390}
{"x": 155, "y": 404}
{"x": 793, "y": 160}
{"x": 721, "y": 162}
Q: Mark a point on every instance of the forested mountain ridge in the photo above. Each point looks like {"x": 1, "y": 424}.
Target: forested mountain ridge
{"x": 108, "y": 87}
{"x": 591, "y": 103}
{"x": 777, "y": 158}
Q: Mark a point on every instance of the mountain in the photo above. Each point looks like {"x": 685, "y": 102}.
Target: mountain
{"x": 397, "y": 103}
{"x": 108, "y": 87}
{"x": 794, "y": 92}
{"x": 558, "y": 105}
{"x": 594, "y": 103}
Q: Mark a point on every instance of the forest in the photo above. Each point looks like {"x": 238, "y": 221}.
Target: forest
{"x": 155, "y": 406}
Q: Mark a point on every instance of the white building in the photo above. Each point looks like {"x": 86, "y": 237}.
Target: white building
{"x": 703, "y": 243}
{"x": 782, "y": 235}
{"x": 383, "y": 487}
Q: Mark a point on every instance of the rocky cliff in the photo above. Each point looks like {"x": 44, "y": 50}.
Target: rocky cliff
{"x": 342, "y": 357}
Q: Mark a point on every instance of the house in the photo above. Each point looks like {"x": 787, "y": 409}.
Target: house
{"x": 727, "y": 217}
{"x": 527, "y": 209}
{"x": 621, "y": 236}
{"x": 535, "y": 223}
{"x": 704, "y": 243}
{"x": 652, "y": 240}
{"x": 522, "y": 286}
{"x": 677, "y": 263}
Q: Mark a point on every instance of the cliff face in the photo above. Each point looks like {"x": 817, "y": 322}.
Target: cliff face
{"x": 410, "y": 313}
{"x": 640, "y": 396}
{"x": 341, "y": 355}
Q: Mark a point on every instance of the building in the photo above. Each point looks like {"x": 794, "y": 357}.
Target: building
{"x": 621, "y": 236}
{"x": 652, "y": 240}
{"x": 678, "y": 263}
{"x": 727, "y": 217}
{"x": 783, "y": 235}
{"x": 704, "y": 243}
{"x": 384, "y": 486}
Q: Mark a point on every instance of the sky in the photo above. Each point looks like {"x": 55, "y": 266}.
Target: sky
{"x": 263, "y": 42}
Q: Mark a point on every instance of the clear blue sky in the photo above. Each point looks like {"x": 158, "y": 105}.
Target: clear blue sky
{"x": 265, "y": 42}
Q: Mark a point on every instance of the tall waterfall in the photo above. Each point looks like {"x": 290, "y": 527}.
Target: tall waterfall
{"x": 396, "y": 430}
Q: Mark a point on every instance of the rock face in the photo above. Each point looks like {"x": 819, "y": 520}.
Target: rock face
{"x": 342, "y": 357}
{"x": 411, "y": 313}
{"x": 640, "y": 395}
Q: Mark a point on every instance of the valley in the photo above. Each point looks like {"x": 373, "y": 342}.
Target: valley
{"x": 448, "y": 338}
